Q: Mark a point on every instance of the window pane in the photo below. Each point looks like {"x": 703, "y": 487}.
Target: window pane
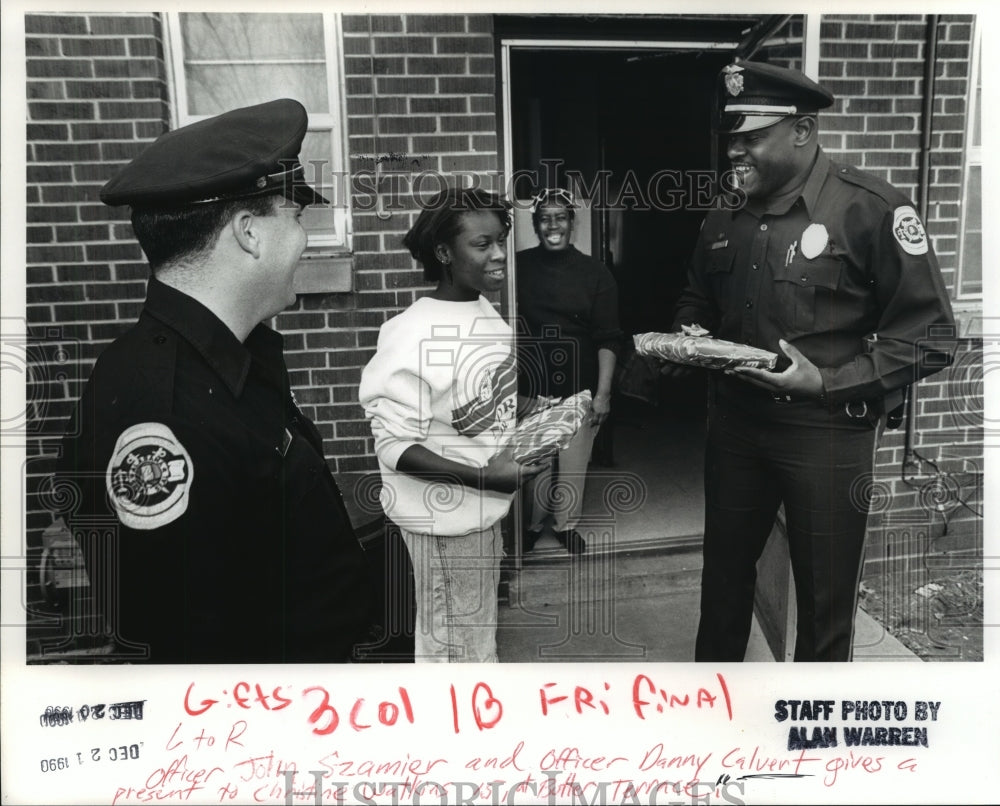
{"x": 216, "y": 88}
{"x": 977, "y": 130}
{"x": 974, "y": 199}
{"x": 972, "y": 241}
{"x": 253, "y": 37}
{"x": 320, "y": 221}
{"x": 230, "y": 60}
{"x": 315, "y": 158}
{"x": 977, "y": 134}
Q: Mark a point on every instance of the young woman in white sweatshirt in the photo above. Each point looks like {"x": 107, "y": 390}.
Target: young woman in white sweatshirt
{"x": 441, "y": 396}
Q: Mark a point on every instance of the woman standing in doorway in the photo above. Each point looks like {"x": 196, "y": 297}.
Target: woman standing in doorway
{"x": 568, "y": 302}
{"x": 441, "y": 395}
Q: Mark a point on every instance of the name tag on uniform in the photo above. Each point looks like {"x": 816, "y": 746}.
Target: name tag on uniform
{"x": 719, "y": 245}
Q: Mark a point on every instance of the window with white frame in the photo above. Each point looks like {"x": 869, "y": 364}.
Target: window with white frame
{"x": 970, "y": 247}
{"x": 221, "y": 61}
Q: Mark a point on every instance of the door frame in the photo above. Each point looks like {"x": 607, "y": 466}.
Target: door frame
{"x": 743, "y": 48}
{"x": 507, "y": 45}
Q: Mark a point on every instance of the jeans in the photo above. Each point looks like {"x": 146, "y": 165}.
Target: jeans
{"x": 752, "y": 466}
{"x": 456, "y": 581}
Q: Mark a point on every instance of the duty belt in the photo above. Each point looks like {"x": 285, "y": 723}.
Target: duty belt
{"x": 855, "y": 409}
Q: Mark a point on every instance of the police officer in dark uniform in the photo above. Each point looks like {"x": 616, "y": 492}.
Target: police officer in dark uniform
{"x": 221, "y": 534}
{"x": 831, "y": 269}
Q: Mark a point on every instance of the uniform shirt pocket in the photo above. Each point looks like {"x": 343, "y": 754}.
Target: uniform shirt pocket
{"x": 718, "y": 261}
{"x": 718, "y": 274}
{"x": 805, "y": 291}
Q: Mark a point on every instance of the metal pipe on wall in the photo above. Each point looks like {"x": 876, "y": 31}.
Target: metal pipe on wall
{"x": 923, "y": 191}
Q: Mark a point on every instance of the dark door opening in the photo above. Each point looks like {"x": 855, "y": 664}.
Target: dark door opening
{"x": 630, "y": 131}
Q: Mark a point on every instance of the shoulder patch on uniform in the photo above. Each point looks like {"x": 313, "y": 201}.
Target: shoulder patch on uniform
{"x": 149, "y": 476}
{"x": 908, "y": 231}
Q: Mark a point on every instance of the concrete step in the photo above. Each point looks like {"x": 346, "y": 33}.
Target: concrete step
{"x": 630, "y": 602}
{"x": 555, "y": 577}
{"x": 621, "y": 603}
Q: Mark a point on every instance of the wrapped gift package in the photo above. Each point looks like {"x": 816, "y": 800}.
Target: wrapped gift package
{"x": 544, "y": 432}
{"x": 702, "y": 351}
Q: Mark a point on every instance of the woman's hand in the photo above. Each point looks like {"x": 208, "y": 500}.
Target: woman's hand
{"x": 503, "y": 474}
{"x": 600, "y": 408}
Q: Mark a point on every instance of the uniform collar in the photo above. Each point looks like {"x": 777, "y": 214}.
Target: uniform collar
{"x": 216, "y": 343}
{"x": 814, "y": 184}
{"x": 809, "y": 193}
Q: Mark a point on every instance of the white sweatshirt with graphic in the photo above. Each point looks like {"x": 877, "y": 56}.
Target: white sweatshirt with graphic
{"x": 443, "y": 376}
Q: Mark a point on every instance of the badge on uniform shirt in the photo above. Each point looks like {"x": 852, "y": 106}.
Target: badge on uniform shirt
{"x": 149, "y": 476}
{"x": 908, "y": 231}
{"x": 814, "y": 240}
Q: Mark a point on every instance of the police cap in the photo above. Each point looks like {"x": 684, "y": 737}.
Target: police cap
{"x": 250, "y": 151}
{"x": 754, "y": 95}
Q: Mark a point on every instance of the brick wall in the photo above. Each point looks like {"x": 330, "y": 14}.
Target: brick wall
{"x": 874, "y": 65}
{"x": 939, "y": 481}
{"x": 96, "y": 93}
{"x": 420, "y": 103}
{"x": 875, "y": 68}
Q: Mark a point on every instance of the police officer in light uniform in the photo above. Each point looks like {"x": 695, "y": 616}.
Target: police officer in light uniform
{"x": 831, "y": 269}
{"x": 229, "y": 537}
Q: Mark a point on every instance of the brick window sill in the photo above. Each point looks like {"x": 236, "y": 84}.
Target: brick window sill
{"x": 325, "y": 273}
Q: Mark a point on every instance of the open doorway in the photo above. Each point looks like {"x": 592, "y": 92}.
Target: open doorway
{"x": 629, "y": 130}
